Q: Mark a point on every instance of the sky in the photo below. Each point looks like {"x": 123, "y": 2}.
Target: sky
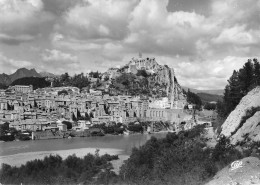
{"x": 203, "y": 40}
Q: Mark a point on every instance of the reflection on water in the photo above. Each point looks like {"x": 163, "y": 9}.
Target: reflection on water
{"x": 123, "y": 142}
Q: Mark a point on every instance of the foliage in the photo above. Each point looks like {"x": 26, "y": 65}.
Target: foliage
{"x": 94, "y": 74}
{"x": 142, "y": 73}
{"x": 193, "y": 98}
{"x": 63, "y": 92}
{"x": 224, "y": 152}
{"x": 3, "y": 86}
{"x": 78, "y": 80}
{"x": 177, "y": 159}
{"x": 114, "y": 128}
{"x": 140, "y": 84}
{"x": 135, "y": 127}
{"x": 68, "y": 123}
{"x": 55, "y": 170}
{"x": 10, "y": 134}
{"x": 36, "y": 82}
{"x": 210, "y": 106}
{"x": 239, "y": 84}
{"x": 4, "y": 128}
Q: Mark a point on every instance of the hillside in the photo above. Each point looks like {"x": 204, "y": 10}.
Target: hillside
{"x": 47, "y": 74}
{"x": 214, "y": 92}
{"x": 3, "y": 86}
{"x": 20, "y": 73}
{"x": 205, "y": 97}
{"x": 144, "y": 76}
{"x": 247, "y": 173}
{"x": 37, "y": 82}
{"x": 243, "y": 123}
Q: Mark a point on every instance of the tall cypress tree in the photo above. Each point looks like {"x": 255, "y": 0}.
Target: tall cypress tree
{"x": 246, "y": 77}
{"x": 232, "y": 93}
{"x": 256, "y": 72}
{"x": 239, "y": 84}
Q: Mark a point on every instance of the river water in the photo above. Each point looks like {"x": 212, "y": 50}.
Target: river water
{"x": 19, "y": 152}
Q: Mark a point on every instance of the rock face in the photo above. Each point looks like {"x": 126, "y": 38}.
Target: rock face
{"x": 238, "y": 130}
{"x": 242, "y": 172}
{"x": 250, "y": 129}
{"x": 162, "y": 75}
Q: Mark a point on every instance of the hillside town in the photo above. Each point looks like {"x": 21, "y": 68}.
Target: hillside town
{"x": 44, "y": 110}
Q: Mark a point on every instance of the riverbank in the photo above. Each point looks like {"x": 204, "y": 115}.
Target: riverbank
{"x": 17, "y": 153}
{"x": 21, "y": 158}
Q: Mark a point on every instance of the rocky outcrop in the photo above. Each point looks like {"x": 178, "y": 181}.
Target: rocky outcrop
{"x": 241, "y": 172}
{"x": 243, "y": 122}
{"x": 161, "y": 74}
{"x": 250, "y": 130}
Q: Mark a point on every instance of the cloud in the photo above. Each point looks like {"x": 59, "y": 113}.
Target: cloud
{"x": 237, "y": 35}
{"x": 9, "y": 65}
{"x": 208, "y": 74}
{"x": 58, "y": 56}
{"x": 166, "y": 33}
{"x": 204, "y": 45}
{"x": 99, "y": 19}
{"x": 15, "y": 40}
{"x": 21, "y": 20}
{"x": 58, "y": 61}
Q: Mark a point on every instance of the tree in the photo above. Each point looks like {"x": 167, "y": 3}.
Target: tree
{"x": 246, "y": 75}
{"x": 142, "y": 73}
{"x": 239, "y": 84}
{"x": 232, "y": 94}
{"x": 256, "y": 72}
{"x": 210, "y": 106}
{"x": 193, "y": 98}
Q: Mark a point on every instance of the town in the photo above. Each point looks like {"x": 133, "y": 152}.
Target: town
{"x": 58, "y": 112}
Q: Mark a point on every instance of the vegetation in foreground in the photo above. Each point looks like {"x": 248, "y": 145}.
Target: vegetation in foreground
{"x": 181, "y": 158}
{"x": 177, "y": 159}
{"x": 55, "y": 170}
{"x": 239, "y": 84}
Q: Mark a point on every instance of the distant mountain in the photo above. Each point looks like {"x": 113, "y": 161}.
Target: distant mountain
{"x": 205, "y": 97}
{"x": 5, "y": 79}
{"x": 20, "y": 73}
{"x": 47, "y": 74}
{"x": 2, "y": 86}
{"x": 214, "y": 91}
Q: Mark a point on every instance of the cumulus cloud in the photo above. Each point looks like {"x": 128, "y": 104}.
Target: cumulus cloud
{"x": 20, "y": 20}
{"x": 99, "y": 19}
{"x": 59, "y": 61}
{"x": 203, "y": 46}
{"x": 14, "y": 40}
{"x": 208, "y": 74}
{"x": 58, "y": 56}
{"x": 9, "y": 65}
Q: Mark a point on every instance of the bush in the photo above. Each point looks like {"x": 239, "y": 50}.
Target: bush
{"x": 177, "y": 159}
{"x": 55, "y": 170}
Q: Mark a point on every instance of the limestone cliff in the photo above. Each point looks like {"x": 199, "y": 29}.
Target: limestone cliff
{"x": 161, "y": 77}
{"x": 244, "y": 121}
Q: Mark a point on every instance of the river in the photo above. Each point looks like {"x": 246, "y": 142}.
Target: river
{"x": 19, "y": 152}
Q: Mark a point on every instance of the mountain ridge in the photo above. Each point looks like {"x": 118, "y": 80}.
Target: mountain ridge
{"x": 208, "y": 91}
{"x": 19, "y": 73}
